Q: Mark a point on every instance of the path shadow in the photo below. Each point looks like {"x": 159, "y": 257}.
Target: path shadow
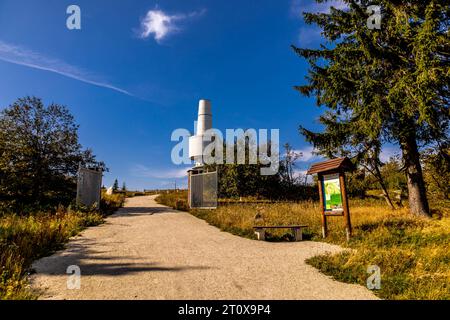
{"x": 142, "y": 211}
{"x": 94, "y": 262}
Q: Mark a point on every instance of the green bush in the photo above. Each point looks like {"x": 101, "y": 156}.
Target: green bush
{"x": 111, "y": 203}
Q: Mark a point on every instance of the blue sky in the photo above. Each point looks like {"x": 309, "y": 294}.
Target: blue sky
{"x": 136, "y": 70}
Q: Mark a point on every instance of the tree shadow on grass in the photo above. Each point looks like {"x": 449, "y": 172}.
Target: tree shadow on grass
{"x": 394, "y": 224}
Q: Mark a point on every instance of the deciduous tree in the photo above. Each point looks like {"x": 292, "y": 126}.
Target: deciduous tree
{"x": 40, "y": 154}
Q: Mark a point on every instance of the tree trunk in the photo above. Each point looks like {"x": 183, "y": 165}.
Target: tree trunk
{"x": 417, "y": 196}
{"x": 377, "y": 174}
{"x": 386, "y": 195}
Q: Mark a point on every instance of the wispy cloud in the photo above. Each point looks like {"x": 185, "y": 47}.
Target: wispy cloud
{"x": 301, "y": 174}
{"x": 159, "y": 24}
{"x": 22, "y": 56}
{"x": 387, "y": 152}
{"x": 307, "y": 154}
{"x": 311, "y": 35}
{"x": 142, "y": 171}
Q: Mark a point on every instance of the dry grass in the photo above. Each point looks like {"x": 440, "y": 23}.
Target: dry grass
{"x": 412, "y": 253}
{"x": 174, "y": 199}
{"x": 242, "y": 217}
{"x": 111, "y": 203}
{"x": 24, "y": 239}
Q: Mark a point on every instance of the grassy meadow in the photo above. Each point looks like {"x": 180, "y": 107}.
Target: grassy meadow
{"x": 24, "y": 239}
{"x": 412, "y": 253}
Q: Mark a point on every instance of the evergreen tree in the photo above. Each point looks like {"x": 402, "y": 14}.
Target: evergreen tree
{"x": 386, "y": 85}
{"x": 124, "y": 187}
{"x": 437, "y": 172}
{"x": 116, "y": 185}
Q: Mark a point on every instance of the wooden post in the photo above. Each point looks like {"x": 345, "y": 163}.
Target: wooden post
{"x": 348, "y": 229}
{"x": 322, "y": 208}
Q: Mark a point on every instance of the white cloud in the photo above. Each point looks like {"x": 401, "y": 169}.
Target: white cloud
{"x": 160, "y": 24}
{"x": 24, "y": 57}
{"x": 302, "y": 176}
{"x": 307, "y": 154}
{"x": 388, "y": 152}
{"x": 140, "y": 170}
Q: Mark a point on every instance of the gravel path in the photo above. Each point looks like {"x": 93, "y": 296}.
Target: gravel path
{"x": 148, "y": 251}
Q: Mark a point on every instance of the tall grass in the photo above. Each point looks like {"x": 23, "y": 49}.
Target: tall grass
{"x": 413, "y": 253}
{"x": 111, "y": 203}
{"x": 174, "y": 199}
{"x": 24, "y": 239}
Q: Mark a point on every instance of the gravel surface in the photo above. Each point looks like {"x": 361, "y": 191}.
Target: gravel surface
{"x": 148, "y": 251}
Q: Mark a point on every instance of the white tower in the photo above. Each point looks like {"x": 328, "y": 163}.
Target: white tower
{"x": 204, "y": 123}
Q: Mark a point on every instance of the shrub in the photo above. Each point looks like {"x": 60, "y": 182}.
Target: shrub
{"x": 111, "y": 203}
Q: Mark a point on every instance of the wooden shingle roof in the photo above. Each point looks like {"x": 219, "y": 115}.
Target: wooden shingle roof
{"x": 338, "y": 164}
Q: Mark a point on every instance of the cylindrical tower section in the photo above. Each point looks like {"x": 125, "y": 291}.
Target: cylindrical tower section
{"x": 204, "y": 121}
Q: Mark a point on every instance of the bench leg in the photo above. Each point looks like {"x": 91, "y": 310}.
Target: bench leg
{"x": 260, "y": 234}
{"x": 298, "y": 234}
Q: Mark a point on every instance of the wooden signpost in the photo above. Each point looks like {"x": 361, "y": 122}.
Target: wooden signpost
{"x": 332, "y": 191}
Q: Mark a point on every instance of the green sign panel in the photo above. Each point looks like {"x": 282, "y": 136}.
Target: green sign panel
{"x": 332, "y": 192}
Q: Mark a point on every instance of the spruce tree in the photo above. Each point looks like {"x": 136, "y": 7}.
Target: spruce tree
{"x": 387, "y": 85}
{"x": 116, "y": 185}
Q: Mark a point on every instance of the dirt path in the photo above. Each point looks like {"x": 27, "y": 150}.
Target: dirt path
{"x": 147, "y": 251}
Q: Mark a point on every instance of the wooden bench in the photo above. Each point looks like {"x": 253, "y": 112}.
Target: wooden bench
{"x": 260, "y": 231}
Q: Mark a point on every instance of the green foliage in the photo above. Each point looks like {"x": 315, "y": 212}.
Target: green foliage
{"x": 365, "y": 78}
{"x": 40, "y": 155}
{"x": 394, "y": 175}
{"x": 245, "y": 180}
{"x": 357, "y": 184}
{"x": 437, "y": 172}
{"x": 116, "y": 185}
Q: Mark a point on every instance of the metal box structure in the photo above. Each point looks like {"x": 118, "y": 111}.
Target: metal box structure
{"x": 202, "y": 192}
{"x": 202, "y": 186}
{"x": 89, "y": 184}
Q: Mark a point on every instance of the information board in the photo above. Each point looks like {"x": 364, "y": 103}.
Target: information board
{"x": 332, "y": 193}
